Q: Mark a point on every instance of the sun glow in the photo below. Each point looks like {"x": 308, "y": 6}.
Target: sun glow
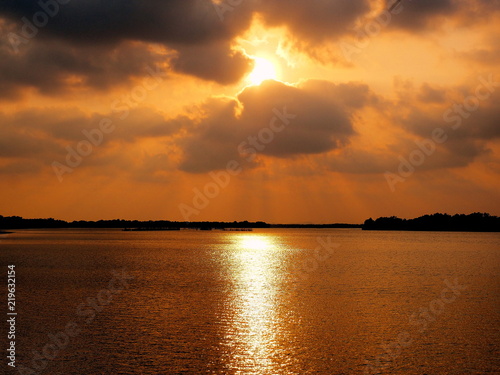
{"x": 255, "y": 243}
{"x": 264, "y": 69}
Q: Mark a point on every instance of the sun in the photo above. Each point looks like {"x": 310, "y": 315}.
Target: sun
{"x": 264, "y": 69}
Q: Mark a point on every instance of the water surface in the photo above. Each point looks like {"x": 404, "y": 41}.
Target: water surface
{"x": 262, "y": 302}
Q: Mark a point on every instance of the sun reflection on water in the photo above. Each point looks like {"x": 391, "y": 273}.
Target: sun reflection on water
{"x": 255, "y": 298}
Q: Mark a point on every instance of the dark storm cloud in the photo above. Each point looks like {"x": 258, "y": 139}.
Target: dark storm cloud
{"x": 416, "y": 15}
{"x": 214, "y": 61}
{"x": 195, "y": 22}
{"x": 319, "y": 121}
{"x": 52, "y": 66}
{"x": 91, "y": 37}
{"x": 109, "y": 21}
{"x": 315, "y": 20}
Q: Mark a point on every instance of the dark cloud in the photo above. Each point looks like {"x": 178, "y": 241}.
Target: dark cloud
{"x": 319, "y": 119}
{"x": 98, "y": 43}
{"x": 214, "y": 61}
{"x": 91, "y": 38}
{"x": 429, "y": 94}
{"x": 419, "y": 112}
{"x": 20, "y": 168}
{"x": 109, "y": 21}
{"x": 41, "y": 136}
{"x": 67, "y": 125}
{"x": 452, "y": 154}
{"x": 351, "y": 96}
{"x": 481, "y": 11}
{"x": 468, "y": 133}
{"x": 143, "y": 123}
{"x": 315, "y": 20}
{"x": 25, "y": 144}
{"x": 419, "y": 14}
{"x": 20, "y": 138}
{"x": 479, "y": 124}
{"x": 32, "y": 140}
{"x": 52, "y": 67}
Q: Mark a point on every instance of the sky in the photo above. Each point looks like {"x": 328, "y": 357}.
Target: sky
{"x": 317, "y": 111}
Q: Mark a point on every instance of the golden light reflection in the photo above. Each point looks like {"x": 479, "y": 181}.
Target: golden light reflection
{"x": 255, "y": 243}
{"x": 254, "y": 315}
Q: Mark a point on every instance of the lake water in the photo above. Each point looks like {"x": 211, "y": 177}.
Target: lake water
{"x": 287, "y": 301}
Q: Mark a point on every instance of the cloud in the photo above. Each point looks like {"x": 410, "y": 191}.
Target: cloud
{"x": 68, "y": 124}
{"x": 25, "y": 167}
{"x": 53, "y": 67}
{"x": 42, "y": 136}
{"x": 100, "y": 44}
{"x": 425, "y": 15}
{"x": 413, "y": 117}
{"x": 487, "y": 52}
{"x": 214, "y": 61}
{"x": 93, "y": 38}
{"x": 467, "y": 137}
{"x": 319, "y": 120}
{"x": 105, "y": 22}
{"x": 481, "y": 124}
{"x": 355, "y": 160}
{"x": 19, "y": 139}
{"x": 418, "y": 15}
{"x": 315, "y": 21}
{"x": 429, "y": 94}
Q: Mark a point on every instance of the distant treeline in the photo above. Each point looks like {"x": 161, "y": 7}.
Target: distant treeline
{"x": 16, "y": 222}
{"x": 476, "y": 222}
